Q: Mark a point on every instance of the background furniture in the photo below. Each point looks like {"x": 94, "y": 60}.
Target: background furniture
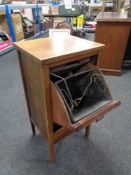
{"x": 116, "y": 3}
{"x": 37, "y": 58}
{"x": 112, "y": 30}
{"x": 98, "y": 6}
{"x": 127, "y": 58}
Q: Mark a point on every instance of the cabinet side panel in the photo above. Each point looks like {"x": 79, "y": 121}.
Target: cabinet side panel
{"x": 31, "y": 74}
{"x": 114, "y": 35}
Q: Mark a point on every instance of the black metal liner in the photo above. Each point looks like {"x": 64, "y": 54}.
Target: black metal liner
{"x": 73, "y": 87}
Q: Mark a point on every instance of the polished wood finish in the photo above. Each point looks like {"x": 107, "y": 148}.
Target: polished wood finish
{"x": 113, "y": 31}
{"x": 51, "y": 50}
{"x": 26, "y": 94}
{"x": 37, "y": 58}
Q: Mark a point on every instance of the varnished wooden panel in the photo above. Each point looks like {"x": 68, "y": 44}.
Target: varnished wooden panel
{"x": 32, "y": 79}
{"x": 114, "y": 35}
{"x": 50, "y": 50}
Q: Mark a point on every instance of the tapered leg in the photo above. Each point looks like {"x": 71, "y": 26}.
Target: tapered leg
{"x": 87, "y": 130}
{"x": 33, "y": 127}
{"x": 51, "y": 150}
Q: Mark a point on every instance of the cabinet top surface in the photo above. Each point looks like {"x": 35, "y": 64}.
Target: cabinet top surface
{"x": 113, "y": 16}
{"x": 48, "y": 50}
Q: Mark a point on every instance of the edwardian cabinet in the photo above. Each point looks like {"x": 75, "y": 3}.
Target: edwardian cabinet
{"x": 38, "y": 58}
{"x": 113, "y": 30}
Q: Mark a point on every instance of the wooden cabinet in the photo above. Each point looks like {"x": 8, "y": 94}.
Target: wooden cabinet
{"x": 37, "y": 58}
{"x": 113, "y": 31}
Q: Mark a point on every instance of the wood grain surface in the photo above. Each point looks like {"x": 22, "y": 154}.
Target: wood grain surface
{"x": 54, "y": 49}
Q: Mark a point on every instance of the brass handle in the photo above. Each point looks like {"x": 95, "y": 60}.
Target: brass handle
{"x": 100, "y": 118}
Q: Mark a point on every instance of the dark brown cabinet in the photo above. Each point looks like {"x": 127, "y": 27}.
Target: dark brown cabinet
{"x": 112, "y": 30}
